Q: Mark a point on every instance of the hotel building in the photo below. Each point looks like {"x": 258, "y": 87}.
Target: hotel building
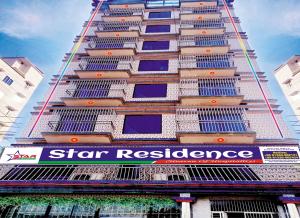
{"x": 156, "y": 79}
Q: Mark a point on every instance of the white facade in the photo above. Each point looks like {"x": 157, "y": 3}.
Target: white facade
{"x": 18, "y": 80}
{"x": 288, "y": 77}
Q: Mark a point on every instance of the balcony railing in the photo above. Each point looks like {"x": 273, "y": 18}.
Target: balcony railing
{"x": 162, "y": 173}
{"x": 113, "y": 43}
{"x": 81, "y": 127}
{"x": 199, "y": 10}
{"x": 203, "y": 41}
{"x": 206, "y": 61}
{"x": 215, "y": 23}
{"x": 119, "y": 26}
{"x": 122, "y": 12}
{"x": 96, "y": 89}
{"x": 208, "y": 87}
{"x": 212, "y": 120}
{"x": 106, "y": 63}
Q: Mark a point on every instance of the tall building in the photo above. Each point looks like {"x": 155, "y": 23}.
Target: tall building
{"x": 18, "y": 80}
{"x": 158, "y": 115}
{"x": 288, "y": 75}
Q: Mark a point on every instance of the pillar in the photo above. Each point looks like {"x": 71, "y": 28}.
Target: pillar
{"x": 290, "y": 201}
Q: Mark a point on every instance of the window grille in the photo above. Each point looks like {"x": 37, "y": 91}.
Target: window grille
{"x": 213, "y": 23}
{"x": 199, "y": 10}
{"x": 213, "y": 120}
{"x": 213, "y": 40}
{"x": 32, "y": 210}
{"x": 83, "y": 120}
{"x": 209, "y": 87}
{"x": 117, "y": 12}
{"x": 106, "y": 43}
{"x": 119, "y": 26}
{"x": 244, "y": 209}
{"x": 106, "y": 63}
{"x": 97, "y": 88}
{"x": 206, "y": 61}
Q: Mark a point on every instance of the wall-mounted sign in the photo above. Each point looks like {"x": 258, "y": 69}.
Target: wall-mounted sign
{"x": 185, "y": 154}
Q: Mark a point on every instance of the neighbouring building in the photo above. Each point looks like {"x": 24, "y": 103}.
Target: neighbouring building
{"x": 158, "y": 115}
{"x": 18, "y": 80}
{"x": 288, "y": 77}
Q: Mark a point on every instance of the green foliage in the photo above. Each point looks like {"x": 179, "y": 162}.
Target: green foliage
{"x": 130, "y": 202}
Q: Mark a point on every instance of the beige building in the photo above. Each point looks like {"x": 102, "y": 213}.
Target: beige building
{"x": 18, "y": 80}
{"x": 288, "y": 77}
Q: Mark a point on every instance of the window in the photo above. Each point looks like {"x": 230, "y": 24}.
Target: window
{"x": 8, "y": 80}
{"x": 150, "y": 90}
{"x": 158, "y": 28}
{"x": 154, "y": 65}
{"x": 163, "y": 14}
{"x": 142, "y": 124}
{"x": 156, "y": 45}
{"x": 217, "y": 88}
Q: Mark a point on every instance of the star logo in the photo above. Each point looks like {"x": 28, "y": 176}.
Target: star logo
{"x": 19, "y": 156}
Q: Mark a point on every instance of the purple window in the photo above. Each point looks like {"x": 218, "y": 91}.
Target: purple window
{"x": 150, "y": 90}
{"x": 142, "y": 124}
{"x": 157, "y": 28}
{"x": 163, "y": 14}
{"x": 154, "y": 65}
{"x": 156, "y": 45}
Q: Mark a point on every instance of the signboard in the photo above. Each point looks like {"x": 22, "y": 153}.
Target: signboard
{"x": 184, "y": 154}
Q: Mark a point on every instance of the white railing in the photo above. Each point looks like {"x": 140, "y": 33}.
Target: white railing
{"x": 109, "y": 43}
{"x": 199, "y": 10}
{"x": 212, "y": 120}
{"x": 214, "y": 23}
{"x": 106, "y": 63}
{"x": 212, "y": 40}
{"x": 209, "y": 87}
{"x": 119, "y": 26}
{"x": 124, "y": 12}
{"x": 96, "y": 89}
{"x": 206, "y": 61}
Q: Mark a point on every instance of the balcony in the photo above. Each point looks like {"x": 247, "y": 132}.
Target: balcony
{"x": 123, "y": 15}
{"x": 206, "y": 66}
{"x": 203, "y": 45}
{"x": 209, "y": 92}
{"x": 119, "y": 29}
{"x": 105, "y": 67}
{"x": 195, "y": 4}
{"x": 79, "y": 126}
{"x": 95, "y": 93}
{"x": 204, "y": 27}
{"x": 127, "y": 6}
{"x": 200, "y": 13}
{"x": 125, "y": 46}
{"x": 213, "y": 125}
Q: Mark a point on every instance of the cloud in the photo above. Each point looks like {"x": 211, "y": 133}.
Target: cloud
{"x": 40, "y": 18}
{"x": 269, "y": 17}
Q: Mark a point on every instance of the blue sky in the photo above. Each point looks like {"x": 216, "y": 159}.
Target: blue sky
{"x": 43, "y": 31}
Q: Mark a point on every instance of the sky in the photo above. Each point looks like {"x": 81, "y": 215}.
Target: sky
{"x": 43, "y": 31}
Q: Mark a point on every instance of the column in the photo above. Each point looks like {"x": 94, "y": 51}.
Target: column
{"x": 290, "y": 201}
{"x": 185, "y": 199}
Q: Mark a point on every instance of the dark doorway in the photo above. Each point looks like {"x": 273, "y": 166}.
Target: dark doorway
{"x": 235, "y": 215}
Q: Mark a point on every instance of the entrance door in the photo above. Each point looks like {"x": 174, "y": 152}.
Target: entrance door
{"x": 235, "y": 215}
